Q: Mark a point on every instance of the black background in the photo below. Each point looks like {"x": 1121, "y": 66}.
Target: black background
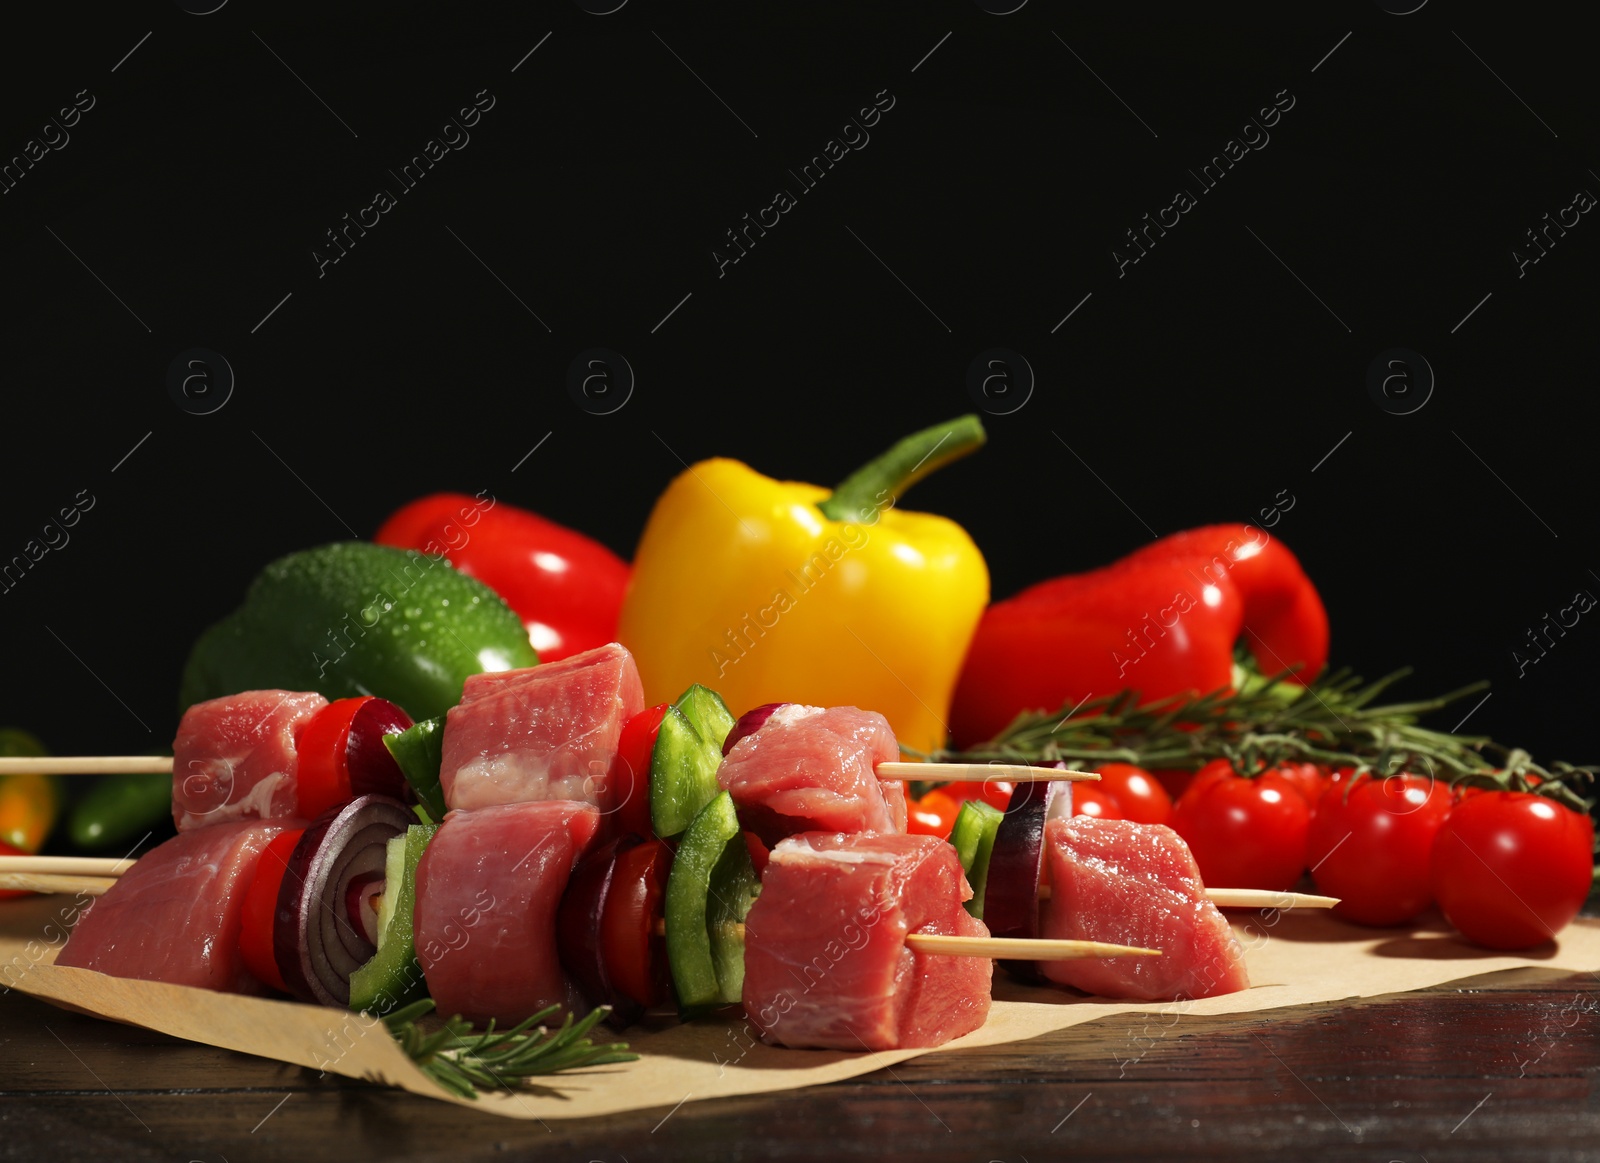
{"x": 1193, "y": 389}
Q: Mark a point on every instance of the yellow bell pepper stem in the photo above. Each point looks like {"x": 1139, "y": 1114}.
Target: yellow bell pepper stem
{"x": 885, "y": 479}
{"x": 779, "y": 591}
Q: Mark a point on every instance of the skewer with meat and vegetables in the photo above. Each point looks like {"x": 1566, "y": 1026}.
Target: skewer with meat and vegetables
{"x": 537, "y": 889}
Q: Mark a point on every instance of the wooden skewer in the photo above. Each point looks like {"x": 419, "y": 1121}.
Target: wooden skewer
{"x": 1263, "y": 898}
{"x": 64, "y": 865}
{"x": 1020, "y": 948}
{"x": 1023, "y": 948}
{"x": 927, "y": 772}
{"x": 48, "y": 882}
{"x": 979, "y": 772}
{"x": 95, "y": 866}
{"x": 86, "y": 765}
{"x": 1252, "y": 898}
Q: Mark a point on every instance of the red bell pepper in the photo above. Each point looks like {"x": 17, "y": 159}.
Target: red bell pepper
{"x": 566, "y": 588}
{"x": 1162, "y": 621}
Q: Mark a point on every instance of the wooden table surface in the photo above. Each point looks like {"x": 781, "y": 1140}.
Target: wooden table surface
{"x": 1499, "y": 1068}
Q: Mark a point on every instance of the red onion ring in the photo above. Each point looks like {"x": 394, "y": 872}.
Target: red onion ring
{"x": 1011, "y": 896}
{"x": 314, "y": 942}
{"x": 749, "y": 723}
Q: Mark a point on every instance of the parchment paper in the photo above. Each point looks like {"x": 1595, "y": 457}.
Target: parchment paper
{"x": 1294, "y": 958}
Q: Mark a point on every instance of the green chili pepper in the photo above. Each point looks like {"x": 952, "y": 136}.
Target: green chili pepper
{"x": 357, "y": 619}
{"x": 392, "y": 977}
{"x": 119, "y": 808}
{"x": 709, "y": 892}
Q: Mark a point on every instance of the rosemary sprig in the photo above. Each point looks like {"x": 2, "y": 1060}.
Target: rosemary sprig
{"x": 464, "y": 1060}
{"x": 1337, "y": 721}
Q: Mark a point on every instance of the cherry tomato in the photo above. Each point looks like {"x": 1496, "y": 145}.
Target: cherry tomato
{"x": 1372, "y": 847}
{"x": 1088, "y": 800}
{"x": 933, "y": 815}
{"x": 261, "y": 906}
{"x": 1510, "y": 869}
{"x": 1138, "y": 794}
{"x": 1244, "y": 833}
{"x": 1174, "y": 780}
{"x": 1334, "y": 777}
{"x": 1306, "y": 778}
{"x": 759, "y": 853}
{"x": 630, "y": 770}
{"x": 994, "y": 792}
{"x": 635, "y": 957}
{"x": 1465, "y": 791}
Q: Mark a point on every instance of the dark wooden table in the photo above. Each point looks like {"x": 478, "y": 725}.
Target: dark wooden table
{"x": 1500, "y": 1068}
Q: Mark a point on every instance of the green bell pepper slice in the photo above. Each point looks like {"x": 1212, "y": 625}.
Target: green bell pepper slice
{"x": 973, "y": 839}
{"x": 419, "y": 750}
{"x": 709, "y": 892}
{"x": 704, "y": 707}
{"x": 683, "y": 774}
{"x": 392, "y": 977}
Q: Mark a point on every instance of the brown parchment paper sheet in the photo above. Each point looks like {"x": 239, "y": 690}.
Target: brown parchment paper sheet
{"x": 1293, "y": 959}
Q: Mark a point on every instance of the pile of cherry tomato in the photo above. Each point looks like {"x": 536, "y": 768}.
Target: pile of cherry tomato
{"x": 1508, "y": 869}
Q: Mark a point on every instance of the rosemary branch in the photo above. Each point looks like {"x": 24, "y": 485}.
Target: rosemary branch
{"x": 465, "y": 1060}
{"x": 1336, "y": 721}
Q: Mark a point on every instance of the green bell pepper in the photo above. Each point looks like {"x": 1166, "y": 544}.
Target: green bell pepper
{"x": 357, "y": 619}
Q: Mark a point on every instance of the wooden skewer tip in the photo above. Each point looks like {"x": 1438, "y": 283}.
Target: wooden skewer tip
{"x": 86, "y": 765}
{"x": 981, "y": 772}
{"x": 1252, "y": 898}
{"x": 49, "y": 883}
{"x": 64, "y": 866}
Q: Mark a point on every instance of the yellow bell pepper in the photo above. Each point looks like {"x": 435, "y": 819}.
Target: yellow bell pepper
{"x": 779, "y": 591}
{"x": 29, "y": 803}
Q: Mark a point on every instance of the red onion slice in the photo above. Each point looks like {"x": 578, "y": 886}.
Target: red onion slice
{"x": 1011, "y": 896}
{"x": 749, "y": 723}
{"x": 315, "y": 943}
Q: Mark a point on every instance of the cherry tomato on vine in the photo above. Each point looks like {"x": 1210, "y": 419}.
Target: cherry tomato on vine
{"x": 1465, "y": 791}
{"x": 1371, "y": 846}
{"x": 1510, "y": 868}
{"x": 1174, "y": 780}
{"x": 1140, "y": 797}
{"x": 933, "y": 815}
{"x": 1307, "y": 778}
{"x": 1244, "y": 832}
{"x": 994, "y": 792}
{"x": 1088, "y": 800}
